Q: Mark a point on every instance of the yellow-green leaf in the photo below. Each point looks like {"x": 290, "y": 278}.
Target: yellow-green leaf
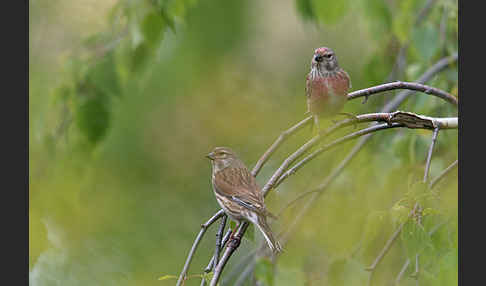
{"x": 167, "y": 277}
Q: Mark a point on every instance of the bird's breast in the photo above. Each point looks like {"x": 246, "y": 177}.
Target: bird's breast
{"x": 327, "y": 93}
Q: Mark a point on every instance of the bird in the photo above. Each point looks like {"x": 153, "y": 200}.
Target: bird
{"x": 326, "y": 86}
{"x": 238, "y": 194}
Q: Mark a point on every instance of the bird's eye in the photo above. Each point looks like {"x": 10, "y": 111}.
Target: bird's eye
{"x": 328, "y": 56}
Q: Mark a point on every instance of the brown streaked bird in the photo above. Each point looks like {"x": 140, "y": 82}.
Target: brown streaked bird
{"x": 238, "y": 194}
{"x": 326, "y": 86}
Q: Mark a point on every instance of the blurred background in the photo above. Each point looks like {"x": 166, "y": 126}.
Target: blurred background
{"x": 126, "y": 98}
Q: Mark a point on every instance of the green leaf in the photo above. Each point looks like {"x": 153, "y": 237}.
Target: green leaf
{"x": 168, "y": 20}
{"x": 152, "y": 28}
{"x": 414, "y": 238}
{"x": 329, "y": 12}
{"x": 305, "y": 9}
{"x": 264, "y": 273}
{"x": 104, "y": 75}
{"x": 399, "y": 212}
{"x": 208, "y": 276}
{"x": 425, "y": 40}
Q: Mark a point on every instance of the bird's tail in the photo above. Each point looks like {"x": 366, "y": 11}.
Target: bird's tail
{"x": 263, "y": 226}
{"x": 314, "y": 126}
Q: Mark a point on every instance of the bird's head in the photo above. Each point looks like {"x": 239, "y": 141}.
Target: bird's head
{"x": 222, "y": 157}
{"x": 324, "y": 59}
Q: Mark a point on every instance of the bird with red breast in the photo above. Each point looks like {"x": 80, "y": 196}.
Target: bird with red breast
{"x": 327, "y": 85}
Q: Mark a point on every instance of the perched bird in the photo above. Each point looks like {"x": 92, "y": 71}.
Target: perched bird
{"x": 238, "y": 194}
{"x": 326, "y": 86}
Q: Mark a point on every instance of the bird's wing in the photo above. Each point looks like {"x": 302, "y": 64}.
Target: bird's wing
{"x": 348, "y": 78}
{"x": 308, "y": 85}
{"x": 240, "y": 186}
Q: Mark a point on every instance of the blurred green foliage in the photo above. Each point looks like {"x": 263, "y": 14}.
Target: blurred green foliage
{"x": 126, "y": 98}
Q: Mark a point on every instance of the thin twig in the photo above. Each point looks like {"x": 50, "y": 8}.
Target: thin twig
{"x": 319, "y": 190}
{"x": 442, "y": 27}
{"x": 429, "y": 155}
{"x": 428, "y": 75}
{"x": 390, "y": 242}
{"x": 219, "y": 237}
{"x": 424, "y": 12}
{"x": 223, "y": 243}
{"x": 283, "y": 136}
{"x": 402, "y": 271}
{"x": 294, "y": 156}
{"x": 298, "y": 198}
{"x": 404, "y": 85}
{"x": 437, "y": 179}
{"x": 204, "y": 227}
{"x": 416, "y": 273}
{"x": 336, "y": 142}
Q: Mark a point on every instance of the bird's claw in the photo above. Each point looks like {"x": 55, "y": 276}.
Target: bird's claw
{"x": 234, "y": 241}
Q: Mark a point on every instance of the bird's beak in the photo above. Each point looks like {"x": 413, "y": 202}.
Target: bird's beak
{"x": 210, "y": 156}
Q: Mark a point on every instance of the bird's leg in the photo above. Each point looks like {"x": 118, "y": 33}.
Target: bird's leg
{"x": 234, "y": 240}
{"x": 315, "y": 126}
{"x": 233, "y": 231}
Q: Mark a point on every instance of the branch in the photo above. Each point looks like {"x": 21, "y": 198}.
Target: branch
{"x": 424, "y": 12}
{"x": 282, "y": 138}
{"x": 232, "y": 246}
{"x": 219, "y": 237}
{"x": 405, "y": 119}
{"x": 415, "y": 274}
{"x": 402, "y": 271}
{"x": 404, "y": 85}
{"x": 429, "y": 155}
{"x": 211, "y": 262}
{"x": 204, "y": 227}
{"x": 443, "y": 174}
{"x": 428, "y": 75}
{"x": 334, "y": 144}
